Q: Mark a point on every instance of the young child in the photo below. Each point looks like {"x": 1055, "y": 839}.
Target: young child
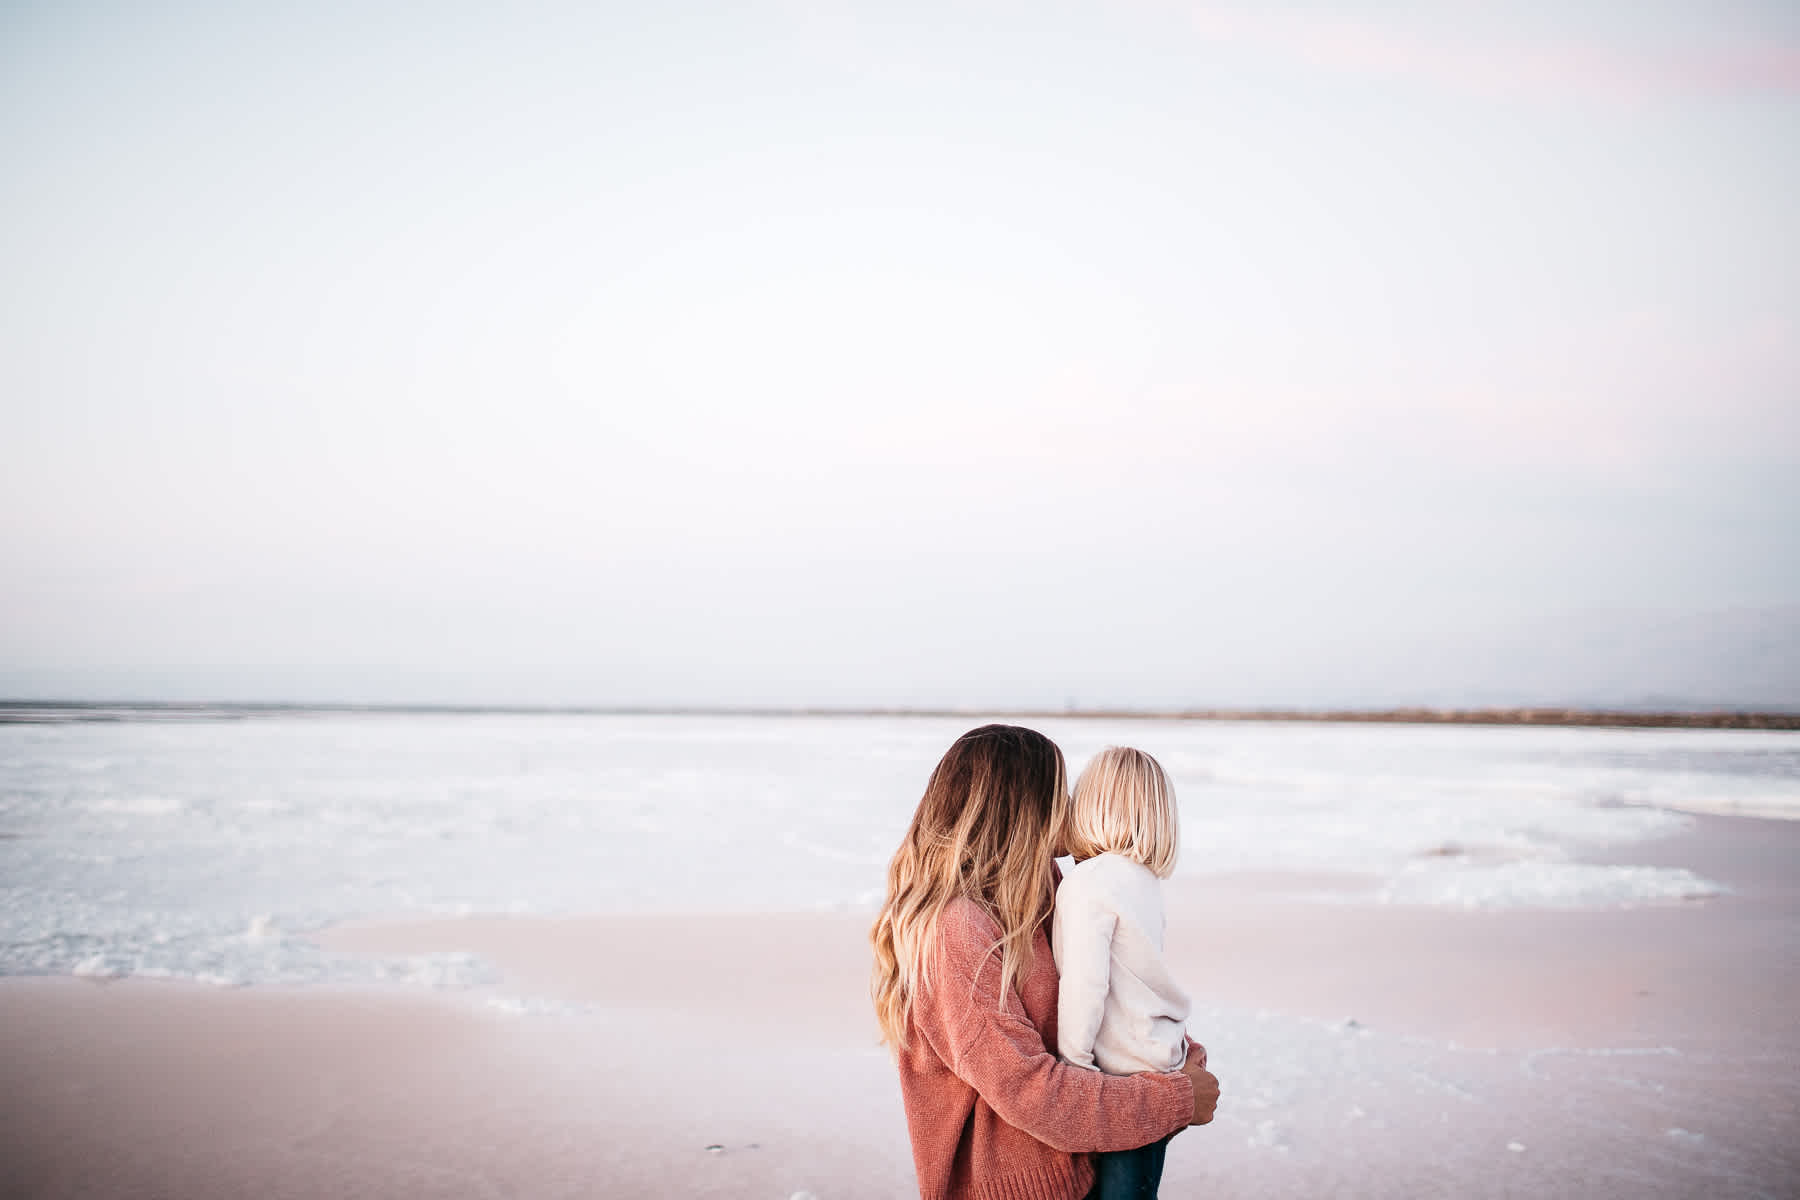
{"x": 1119, "y": 1010}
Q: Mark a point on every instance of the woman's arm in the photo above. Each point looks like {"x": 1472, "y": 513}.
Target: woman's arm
{"x": 989, "y": 1042}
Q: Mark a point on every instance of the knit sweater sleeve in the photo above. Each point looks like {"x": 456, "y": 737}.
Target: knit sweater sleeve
{"x": 987, "y": 1040}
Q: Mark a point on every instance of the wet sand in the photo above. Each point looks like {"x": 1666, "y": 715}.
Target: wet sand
{"x": 1366, "y": 1050}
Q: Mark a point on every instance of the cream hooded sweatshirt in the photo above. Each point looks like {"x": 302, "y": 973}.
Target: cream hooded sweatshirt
{"x": 1119, "y": 1009}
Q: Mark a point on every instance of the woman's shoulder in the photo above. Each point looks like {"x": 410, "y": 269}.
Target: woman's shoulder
{"x": 966, "y": 920}
{"x": 965, "y": 938}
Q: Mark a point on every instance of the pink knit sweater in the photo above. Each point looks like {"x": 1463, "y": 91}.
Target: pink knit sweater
{"x": 992, "y": 1112}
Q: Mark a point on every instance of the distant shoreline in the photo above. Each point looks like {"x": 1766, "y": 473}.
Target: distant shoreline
{"x": 58, "y": 712}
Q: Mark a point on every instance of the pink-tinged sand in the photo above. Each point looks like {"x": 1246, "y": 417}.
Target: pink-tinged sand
{"x": 1365, "y": 1051}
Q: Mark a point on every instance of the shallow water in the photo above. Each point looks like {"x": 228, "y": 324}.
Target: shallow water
{"x": 205, "y": 849}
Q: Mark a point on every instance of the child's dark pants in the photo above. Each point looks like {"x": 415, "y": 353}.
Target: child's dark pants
{"x": 1129, "y": 1174}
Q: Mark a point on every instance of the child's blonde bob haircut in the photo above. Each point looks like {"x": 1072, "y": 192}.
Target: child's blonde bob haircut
{"x": 1125, "y": 804}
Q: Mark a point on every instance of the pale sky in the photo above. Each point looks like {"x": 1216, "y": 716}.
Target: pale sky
{"x": 820, "y": 353}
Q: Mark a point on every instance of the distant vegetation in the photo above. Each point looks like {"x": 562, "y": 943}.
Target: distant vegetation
{"x": 16, "y": 712}
{"x": 1512, "y": 716}
{"x": 1711, "y": 719}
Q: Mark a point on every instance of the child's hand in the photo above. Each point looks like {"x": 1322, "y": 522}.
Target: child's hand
{"x": 1206, "y": 1087}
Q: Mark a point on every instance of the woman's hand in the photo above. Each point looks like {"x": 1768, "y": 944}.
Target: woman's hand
{"x": 1206, "y": 1086}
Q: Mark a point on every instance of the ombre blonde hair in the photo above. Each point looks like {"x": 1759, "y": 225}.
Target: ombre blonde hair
{"x": 1125, "y": 804}
{"x": 988, "y": 829}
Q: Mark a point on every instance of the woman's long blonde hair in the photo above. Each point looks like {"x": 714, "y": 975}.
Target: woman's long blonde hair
{"x": 988, "y": 829}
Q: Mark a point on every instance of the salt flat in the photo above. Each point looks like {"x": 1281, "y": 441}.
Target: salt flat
{"x": 211, "y": 850}
{"x": 1366, "y": 1049}
{"x": 482, "y": 954}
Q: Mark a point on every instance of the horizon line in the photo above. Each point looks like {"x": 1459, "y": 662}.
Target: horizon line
{"x": 27, "y": 711}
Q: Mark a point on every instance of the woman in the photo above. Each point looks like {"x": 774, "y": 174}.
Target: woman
{"x": 965, "y": 990}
